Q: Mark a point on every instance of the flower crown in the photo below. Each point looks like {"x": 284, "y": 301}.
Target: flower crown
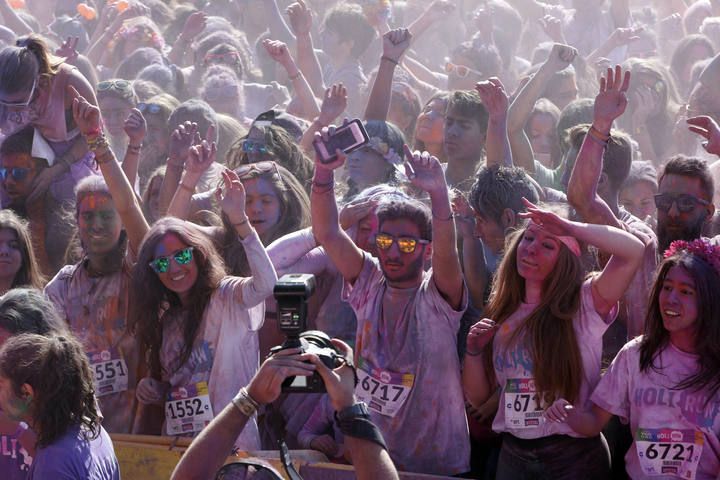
{"x": 700, "y": 247}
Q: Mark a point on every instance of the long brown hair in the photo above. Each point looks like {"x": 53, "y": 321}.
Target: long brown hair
{"x": 294, "y": 215}
{"x": 557, "y": 363}
{"x": 150, "y": 299}
{"x": 58, "y": 370}
{"x": 29, "y": 274}
{"x": 21, "y": 64}
{"x": 707, "y": 341}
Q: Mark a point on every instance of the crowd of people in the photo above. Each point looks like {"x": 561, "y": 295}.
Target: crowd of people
{"x": 519, "y": 266}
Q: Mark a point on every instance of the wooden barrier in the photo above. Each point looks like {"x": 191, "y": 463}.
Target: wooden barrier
{"x": 146, "y": 457}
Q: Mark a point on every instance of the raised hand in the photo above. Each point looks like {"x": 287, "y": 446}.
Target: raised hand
{"x": 612, "y": 100}
{"x": 623, "y": 36}
{"x": 278, "y": 51}
{"x": 464, "y": 215}
{"x": 396, "y": 42}
{"x": 424, "y": 171}
{"x": 480, "y": 335}
{"x": 558, "y": 411}
{"x": 351, "y": 213}
{"x": 200, "y": 157}
{"x": 561, "y": 56}
{"x": 493, "y": 96}
{"x": 135, "y": 127}
{"x": 194, "y": 25}
{"x": 645, "y": 101}
{"x": 707, "y": 128}
{"x": 86, "y": 115}
{"x": 300, "y": 18}
{"x": 551, "y": 222}
{"x": 553, "y": 28}
{"x": 182, "y": 138}
{"x": 68, "y": 49}
{"x": 231, "y": 198}
{"x": 340, "y": 157}
{"x": 334, "y": 104}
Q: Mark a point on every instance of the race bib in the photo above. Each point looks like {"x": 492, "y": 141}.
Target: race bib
{"x": 110, "y": 370}
{"x": 666, "y": 451}
{"x": 384, "y": 392}
{"x": 523, "y": 408}
{"x": 188, "y": 409}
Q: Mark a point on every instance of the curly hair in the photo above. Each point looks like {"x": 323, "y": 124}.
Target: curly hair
{"x": 58, "y": 370}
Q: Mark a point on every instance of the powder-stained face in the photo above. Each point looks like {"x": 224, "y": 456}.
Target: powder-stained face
{"x": 99, "y": 224}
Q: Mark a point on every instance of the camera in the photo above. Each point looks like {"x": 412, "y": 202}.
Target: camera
{"x": 292, "y": 292}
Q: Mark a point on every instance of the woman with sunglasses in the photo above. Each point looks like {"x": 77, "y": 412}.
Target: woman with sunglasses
{"x": 116, "y": 99}
{"x": 156, "y": 144}
{"x": 206, "y": 346}
{"x": 542, "y": 340}
{"x": 666, "y": 384}
{"x": 35, "y": 90}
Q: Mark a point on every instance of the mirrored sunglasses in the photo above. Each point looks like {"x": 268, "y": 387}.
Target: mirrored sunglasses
{"x": 17, "y": 173}
{"x": 383, "y": 241}
{"x": 181, "y": 257}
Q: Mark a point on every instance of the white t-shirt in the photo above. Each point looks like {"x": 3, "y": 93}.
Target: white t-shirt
{"x": 675, "y": 432}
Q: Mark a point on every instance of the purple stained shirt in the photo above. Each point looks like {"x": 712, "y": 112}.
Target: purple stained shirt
{"x": 672, "y": 428}
{"x": 14, "y": 460}
{"x": 73, "y": 457}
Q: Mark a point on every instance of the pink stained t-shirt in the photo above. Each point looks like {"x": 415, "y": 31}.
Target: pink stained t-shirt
{"x": 520, "y": 411}
{"x": 409, "y": 371}
{"x": 665, "y": 422}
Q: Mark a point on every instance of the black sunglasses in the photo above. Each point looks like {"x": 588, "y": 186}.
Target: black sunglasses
{"x": 685, "y": 202}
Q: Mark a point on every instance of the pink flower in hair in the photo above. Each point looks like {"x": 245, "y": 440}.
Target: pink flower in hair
{"x": 700, "y": 247}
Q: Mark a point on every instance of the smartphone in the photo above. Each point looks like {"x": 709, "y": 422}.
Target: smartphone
{"x": 347, "y": 138}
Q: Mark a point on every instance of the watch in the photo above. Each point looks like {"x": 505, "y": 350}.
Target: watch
{"x": 359, "y": 409}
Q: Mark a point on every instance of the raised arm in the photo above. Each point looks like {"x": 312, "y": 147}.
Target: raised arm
{"x": 181, "y": 139}
{"x": 395, "y": 43}
{"x": 278, "y": 28}
{"x": 434, "y": 12}
{"x": 194, "y": 25}
{"x": 87, "y": 117}
{"x": 561, "y": 56}
{"x": 346, "y": 256}
{"x": 625, "y": 249}
{"x": 301, "y": 23}
{"x": 12, "y": 20}
{"x": 333, "y": 105}
{"x": 582, "y": 193}
{"x": 426, "y": 173}
{"x": 302, "y": 92}
{"x": 497, "y": 145}
{"x": 135, "y": 128}
{"x": 200, "y": 157}
{"x": 231, "y": 198}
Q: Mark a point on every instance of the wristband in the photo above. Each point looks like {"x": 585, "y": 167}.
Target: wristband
{"x": 598, "y": 134}
{"x": 394, "y": 62}
{"x": 470, "y": 353}
{"x": 245, "y": 403}
{"x": 353, "y": 423}
{"x": 296, "y": 76}
{"x": 135, "y": 149}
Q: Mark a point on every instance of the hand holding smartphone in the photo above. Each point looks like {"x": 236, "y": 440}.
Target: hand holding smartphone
{"x": 347, "y": 139}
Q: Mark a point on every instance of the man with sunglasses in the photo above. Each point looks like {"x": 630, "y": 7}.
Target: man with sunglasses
{"x": 684, "y": 200}
{"x": 408, "y": 318}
